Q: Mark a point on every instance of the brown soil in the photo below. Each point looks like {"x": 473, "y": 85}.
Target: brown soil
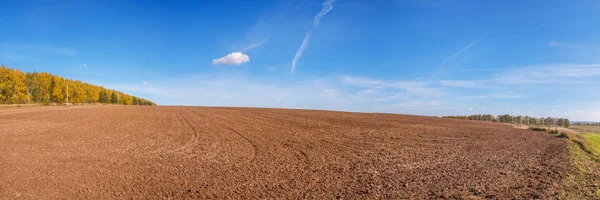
{"x": 203, "y": 152}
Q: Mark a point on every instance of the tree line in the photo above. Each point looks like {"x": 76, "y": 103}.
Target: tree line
{"x": 526, "y": 120}
{"x": 586, "y": 123}
{"x": 17, "y": 87}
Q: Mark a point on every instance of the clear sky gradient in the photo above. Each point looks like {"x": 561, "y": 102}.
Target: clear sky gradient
{"x": 426, "y": 57}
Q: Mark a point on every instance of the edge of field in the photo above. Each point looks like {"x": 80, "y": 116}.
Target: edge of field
{"x": 583, "y": 143}
{"x": 584, "y": 154}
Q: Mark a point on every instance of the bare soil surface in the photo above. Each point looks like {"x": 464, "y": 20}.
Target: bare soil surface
{"x": 208, "y": 152}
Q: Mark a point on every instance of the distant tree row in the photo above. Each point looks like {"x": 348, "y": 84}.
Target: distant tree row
{"x": 586, "y": 123}
{"x": 526, "y": 120}
{"x": 17, "y": 87}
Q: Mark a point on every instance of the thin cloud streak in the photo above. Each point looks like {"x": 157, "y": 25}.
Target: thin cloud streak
{"x": 300, "y": 51}
{"x": 571, "y": 46}
{"x": 483, "y": 69}
{"x": 327, "y": 6}
{"x": 497, "y": 96}
{"x": 465, "y": 83}
{"x": 398, "y": 89}
{"x": 564, "y": 73}
{"x": 12, "y": 57}
{"x": 41, "y": 48}
{"x": 442, "y": 66}
{"x": 252, "y": 46}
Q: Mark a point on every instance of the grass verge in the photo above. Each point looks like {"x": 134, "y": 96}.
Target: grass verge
{"x": 584, "y": 182}
{"x": 579, "y": 140}
{"x": 584, "y": 153}
{"x": 594, "y": 143}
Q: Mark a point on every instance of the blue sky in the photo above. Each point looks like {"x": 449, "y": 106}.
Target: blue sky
{"x": 425, "y": 57}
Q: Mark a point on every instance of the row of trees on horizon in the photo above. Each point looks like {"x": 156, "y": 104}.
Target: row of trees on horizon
{"x": 526, "y": 120}
{"x": 17, "y": 87}
{"x": 586, "y": 123}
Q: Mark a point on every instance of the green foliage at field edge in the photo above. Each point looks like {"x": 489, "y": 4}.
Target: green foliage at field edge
{"x": 584, "y": 182}
{"x": 594, "y": 143}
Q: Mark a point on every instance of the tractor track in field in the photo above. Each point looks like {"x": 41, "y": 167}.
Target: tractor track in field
{"x": 219, "y": 124}
{"x": 194, "y": 135}
{"x": 243, "y": 138}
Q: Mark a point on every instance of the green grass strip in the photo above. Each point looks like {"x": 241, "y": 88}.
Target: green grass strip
{"x": 594, "y": 141}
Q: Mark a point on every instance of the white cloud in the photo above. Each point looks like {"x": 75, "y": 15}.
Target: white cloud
{"x": 374, "y": 83}
{"x": 464, "y": 83}
{"x": 327, "y": 6}
{"x": 412, "y": 104}
{"x": 393, "y": 97}
{"x": 83, "y": 65}
{"x": 329, "y": 93}
{"x": 562, "y": 73}
{"x": 550, "y": 73}
{"x": 560, "y": 44}
{"x": 235, "y": 58}
{"x": 495, "y": 96}
{"x": 338, "y": 92}
{"x": 471, "y": 109}
{"x": 363, "y": 82}
{"x": 233, "y": 90}
{"x": 145, "y": 83}
{"x": 406, "y": 87}
{"x": 366, "y": 92}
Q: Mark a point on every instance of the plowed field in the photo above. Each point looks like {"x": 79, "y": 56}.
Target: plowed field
{"x": 207, "y": 152}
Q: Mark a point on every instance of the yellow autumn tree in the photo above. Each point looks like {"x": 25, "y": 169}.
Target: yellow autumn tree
{"x": 17, "y": 87}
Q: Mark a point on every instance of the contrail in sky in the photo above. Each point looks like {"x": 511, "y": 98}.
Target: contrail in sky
{"x": 252, "y": 46}
{"x": 442, "y": 66}
{"x": 327, "y": 6}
